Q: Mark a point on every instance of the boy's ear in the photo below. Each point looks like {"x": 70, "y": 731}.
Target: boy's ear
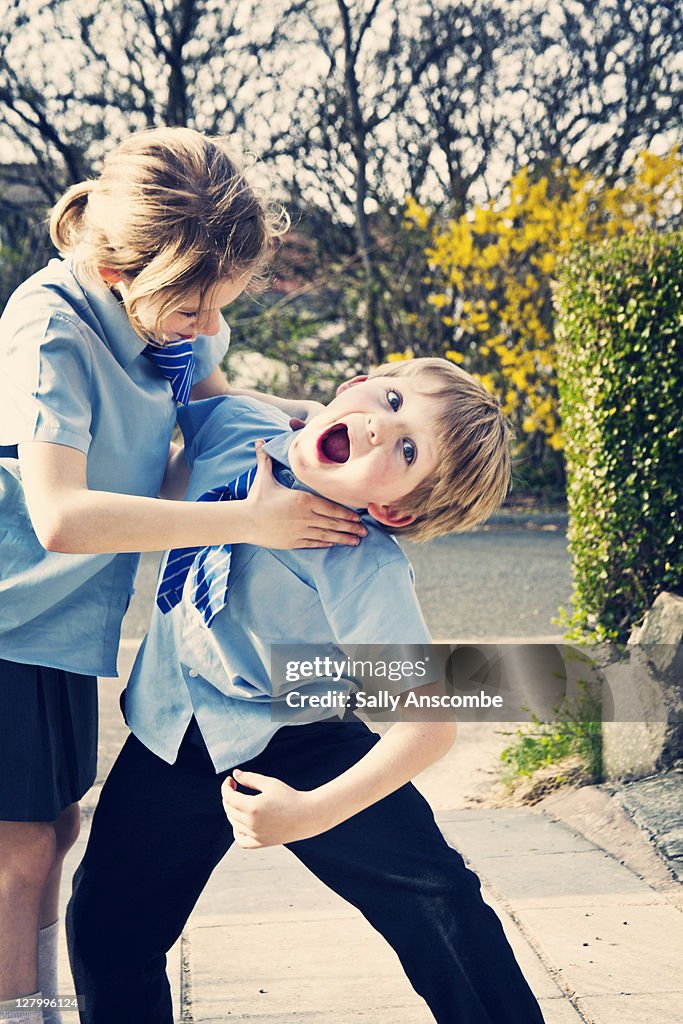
{"x": 389, "y": 515}
{"x": 108, "y": 275}
{"x": 349, "y": 383}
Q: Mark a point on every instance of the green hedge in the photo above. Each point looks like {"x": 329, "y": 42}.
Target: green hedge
{"x": 620, "y": 369}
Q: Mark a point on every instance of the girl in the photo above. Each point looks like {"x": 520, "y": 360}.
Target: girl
{"x": 95, "y": 353}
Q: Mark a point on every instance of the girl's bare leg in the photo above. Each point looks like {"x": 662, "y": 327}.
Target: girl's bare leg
{"x": 66, "y": 828}
{"x": 27, "y": 858}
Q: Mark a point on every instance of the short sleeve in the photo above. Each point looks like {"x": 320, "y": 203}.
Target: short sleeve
{"x": 45, "y": 383}
{"x": 209, "y": 351}
{"x": 381, "y": 620}
{"x": 381, "y": 609}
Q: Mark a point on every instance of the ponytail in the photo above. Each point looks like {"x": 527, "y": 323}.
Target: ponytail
{"x": 66, "y": 219}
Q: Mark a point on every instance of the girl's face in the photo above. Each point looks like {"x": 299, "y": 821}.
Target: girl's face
{"x": 185, "y": 323}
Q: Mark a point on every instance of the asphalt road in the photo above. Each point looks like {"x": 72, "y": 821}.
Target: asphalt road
{"x": 505, "y": 581}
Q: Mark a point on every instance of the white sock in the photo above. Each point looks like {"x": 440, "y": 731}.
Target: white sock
{"x": 47, "y": 971}
{"x": 12, "y": 1012}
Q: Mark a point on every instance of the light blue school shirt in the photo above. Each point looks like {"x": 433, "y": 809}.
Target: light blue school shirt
{"x": 332, "y": 596}
{"x": 72, "y": 372}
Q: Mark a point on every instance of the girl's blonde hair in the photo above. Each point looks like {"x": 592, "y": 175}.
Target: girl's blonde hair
{"x": 173, "y": 212}
{"x": 474, "y": 438}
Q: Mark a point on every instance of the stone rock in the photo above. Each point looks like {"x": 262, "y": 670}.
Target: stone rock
{"x": 646, "y": 733}
{"x": 661, "y": 635}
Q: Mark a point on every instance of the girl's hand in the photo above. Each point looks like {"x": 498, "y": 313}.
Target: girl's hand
{"x": 277, "y": 814}
{"x": 284, "y": 518}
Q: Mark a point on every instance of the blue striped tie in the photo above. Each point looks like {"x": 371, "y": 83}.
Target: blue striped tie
{"x": 210, "y": 566}
{"x": 176, "y": 363}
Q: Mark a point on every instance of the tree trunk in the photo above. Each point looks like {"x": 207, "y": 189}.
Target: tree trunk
{"x": 358, "y": 140}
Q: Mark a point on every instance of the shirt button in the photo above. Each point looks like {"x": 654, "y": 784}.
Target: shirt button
{"x": 287, "y": 477}
{"x": 193, "y": 673}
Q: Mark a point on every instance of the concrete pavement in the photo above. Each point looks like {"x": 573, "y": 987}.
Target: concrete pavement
{"x": 600, "y": 942}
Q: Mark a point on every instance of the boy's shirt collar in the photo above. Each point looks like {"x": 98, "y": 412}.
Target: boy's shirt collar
{"x": 278, "y": 450}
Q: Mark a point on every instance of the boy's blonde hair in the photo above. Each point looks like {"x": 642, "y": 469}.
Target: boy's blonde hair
{"x": 173, "y": 212}
{"x": 474, "y": 437}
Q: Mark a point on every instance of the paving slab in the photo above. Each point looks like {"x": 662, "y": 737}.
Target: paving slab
{"x": 612, "y": 950}
{"x": 561, "y": 1011}
{"x": 280, "y": 966}
{"x": 72, "y": 860}
{"x": 561, "y": 878}
{"x": 633, "y": 1009}
{"x": 467, "y": 775}
{"x": 513, "y": 832}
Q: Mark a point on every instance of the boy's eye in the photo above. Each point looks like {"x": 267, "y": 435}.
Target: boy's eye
{"x": 394, "y": 400}
{"x": 409, "y": 451}
{"x": 183, "y": 313}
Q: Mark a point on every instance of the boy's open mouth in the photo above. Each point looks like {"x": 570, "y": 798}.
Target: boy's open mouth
{"x": 333, "y": 445}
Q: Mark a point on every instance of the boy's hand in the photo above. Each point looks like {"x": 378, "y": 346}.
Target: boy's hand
{"x": 277, "y": 814}
{"x": 307, "y": 410}
{"x": 284, "y": 518}
{"x": 177, "y": 475}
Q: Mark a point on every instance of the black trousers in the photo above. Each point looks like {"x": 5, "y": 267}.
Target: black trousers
{"x": 160, "y": 829}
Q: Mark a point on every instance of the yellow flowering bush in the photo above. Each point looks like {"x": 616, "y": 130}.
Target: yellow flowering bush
{"x": 491, "y": 272}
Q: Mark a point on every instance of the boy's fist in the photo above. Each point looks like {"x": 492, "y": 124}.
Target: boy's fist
{"x": 275, "y": 814}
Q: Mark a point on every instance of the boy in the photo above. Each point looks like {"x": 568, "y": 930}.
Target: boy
{"x": 424, "y": 448}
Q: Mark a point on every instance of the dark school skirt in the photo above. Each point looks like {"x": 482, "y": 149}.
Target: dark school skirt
{"x": 48, "y": 740}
